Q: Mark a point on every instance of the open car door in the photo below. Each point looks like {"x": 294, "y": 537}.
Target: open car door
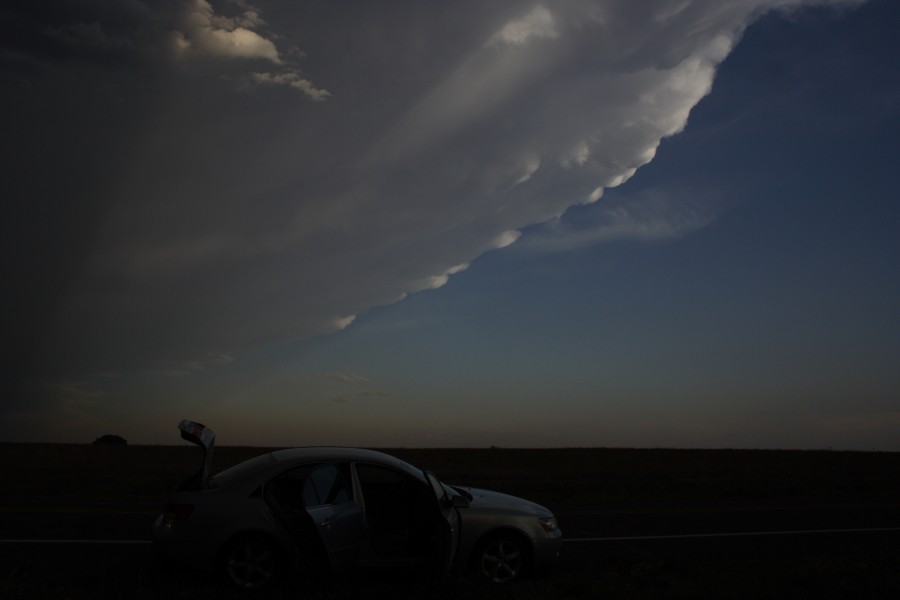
{"x": 203, "y": 436}
{"x": 449, "y": 524}
{"x": 338, "y": 519}
{"x": 314, "y": 503}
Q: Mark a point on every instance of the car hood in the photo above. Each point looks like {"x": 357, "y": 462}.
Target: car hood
{"x": 497, "y": 501}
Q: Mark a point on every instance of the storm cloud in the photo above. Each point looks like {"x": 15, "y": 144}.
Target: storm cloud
{"x": 188, "y": 182}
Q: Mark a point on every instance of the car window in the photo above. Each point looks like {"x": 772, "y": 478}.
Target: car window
{"x": 310, "y": 485}
{"x": 379, "y": 476}
{"x": 327, "y": 484}
{"x": 287, "y": 489}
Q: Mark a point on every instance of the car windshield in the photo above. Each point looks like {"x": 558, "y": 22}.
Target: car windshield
{"x": 241, "y": 469}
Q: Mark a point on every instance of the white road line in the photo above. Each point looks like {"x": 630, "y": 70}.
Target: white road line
{"x": 681, "y": 536}
{"x": 38, "y": 541}
{"x": 721, "y": 535}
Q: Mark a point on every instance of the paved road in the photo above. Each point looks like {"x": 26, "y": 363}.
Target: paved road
{"x": 617, "y": 552}
{"x": 704, "y": 521}
{"x": 112, "y": 522}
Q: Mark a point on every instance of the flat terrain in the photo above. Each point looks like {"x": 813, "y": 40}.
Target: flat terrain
{"x": 639, "y": 523}
{"x": 569, "y": 478}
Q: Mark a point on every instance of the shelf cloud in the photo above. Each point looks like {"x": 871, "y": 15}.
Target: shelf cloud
{"x": 195, "y": 180}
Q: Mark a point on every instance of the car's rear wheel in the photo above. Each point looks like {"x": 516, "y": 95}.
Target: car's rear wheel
{"x": 251, "y": 563}
{"x": 502, "y": 558}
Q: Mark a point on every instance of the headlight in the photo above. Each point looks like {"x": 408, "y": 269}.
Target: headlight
{"x": 549, "y": 524}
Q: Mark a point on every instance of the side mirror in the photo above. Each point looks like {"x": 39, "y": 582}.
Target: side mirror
{"x": 459, "y": 502}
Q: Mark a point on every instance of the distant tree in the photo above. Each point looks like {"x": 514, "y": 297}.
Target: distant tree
{"x": 111, "y": 440}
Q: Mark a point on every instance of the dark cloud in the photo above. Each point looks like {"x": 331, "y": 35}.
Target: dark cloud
{"x": 190, "y": 180}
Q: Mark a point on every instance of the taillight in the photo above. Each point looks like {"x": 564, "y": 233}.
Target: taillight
{"x": 177, "y": 512}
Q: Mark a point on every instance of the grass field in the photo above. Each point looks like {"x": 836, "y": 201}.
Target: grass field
{"x": 562, "y": 479}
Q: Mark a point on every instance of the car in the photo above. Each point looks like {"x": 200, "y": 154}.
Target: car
{"x": 328, "y": 509}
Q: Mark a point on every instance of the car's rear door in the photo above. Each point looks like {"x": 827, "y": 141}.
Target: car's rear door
{"x": 315, "y": 505}
{"x": 338, "y": 519}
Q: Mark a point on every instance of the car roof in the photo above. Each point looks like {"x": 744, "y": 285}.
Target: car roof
{"x": 349, "y": 454}
{"x": 266, "y": 465}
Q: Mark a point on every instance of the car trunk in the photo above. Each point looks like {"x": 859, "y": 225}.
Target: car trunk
{"x": 203, "y": 436}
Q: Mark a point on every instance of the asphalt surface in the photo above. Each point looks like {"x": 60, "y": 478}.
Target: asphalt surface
{"x": 134, "y": 523}
{"x": 90, "y": 551}
{"x": 609, "y": 525}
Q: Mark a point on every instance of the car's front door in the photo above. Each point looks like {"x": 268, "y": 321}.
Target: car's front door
{"x": 408, "y": 522}
{"x": 449, "y": 522}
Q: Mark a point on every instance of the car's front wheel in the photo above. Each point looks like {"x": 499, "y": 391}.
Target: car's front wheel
{"x": 251, "y": 563}
{"x": 502, "y": 558}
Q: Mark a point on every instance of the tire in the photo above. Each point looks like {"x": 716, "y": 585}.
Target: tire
{"x": 251, "y": 564}
{"x": 502, "y": 558}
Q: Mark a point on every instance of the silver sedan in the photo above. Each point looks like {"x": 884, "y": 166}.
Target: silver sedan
{"x": 340, "y": 508}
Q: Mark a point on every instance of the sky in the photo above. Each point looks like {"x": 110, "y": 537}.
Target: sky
{"x": 571, "y": 223}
